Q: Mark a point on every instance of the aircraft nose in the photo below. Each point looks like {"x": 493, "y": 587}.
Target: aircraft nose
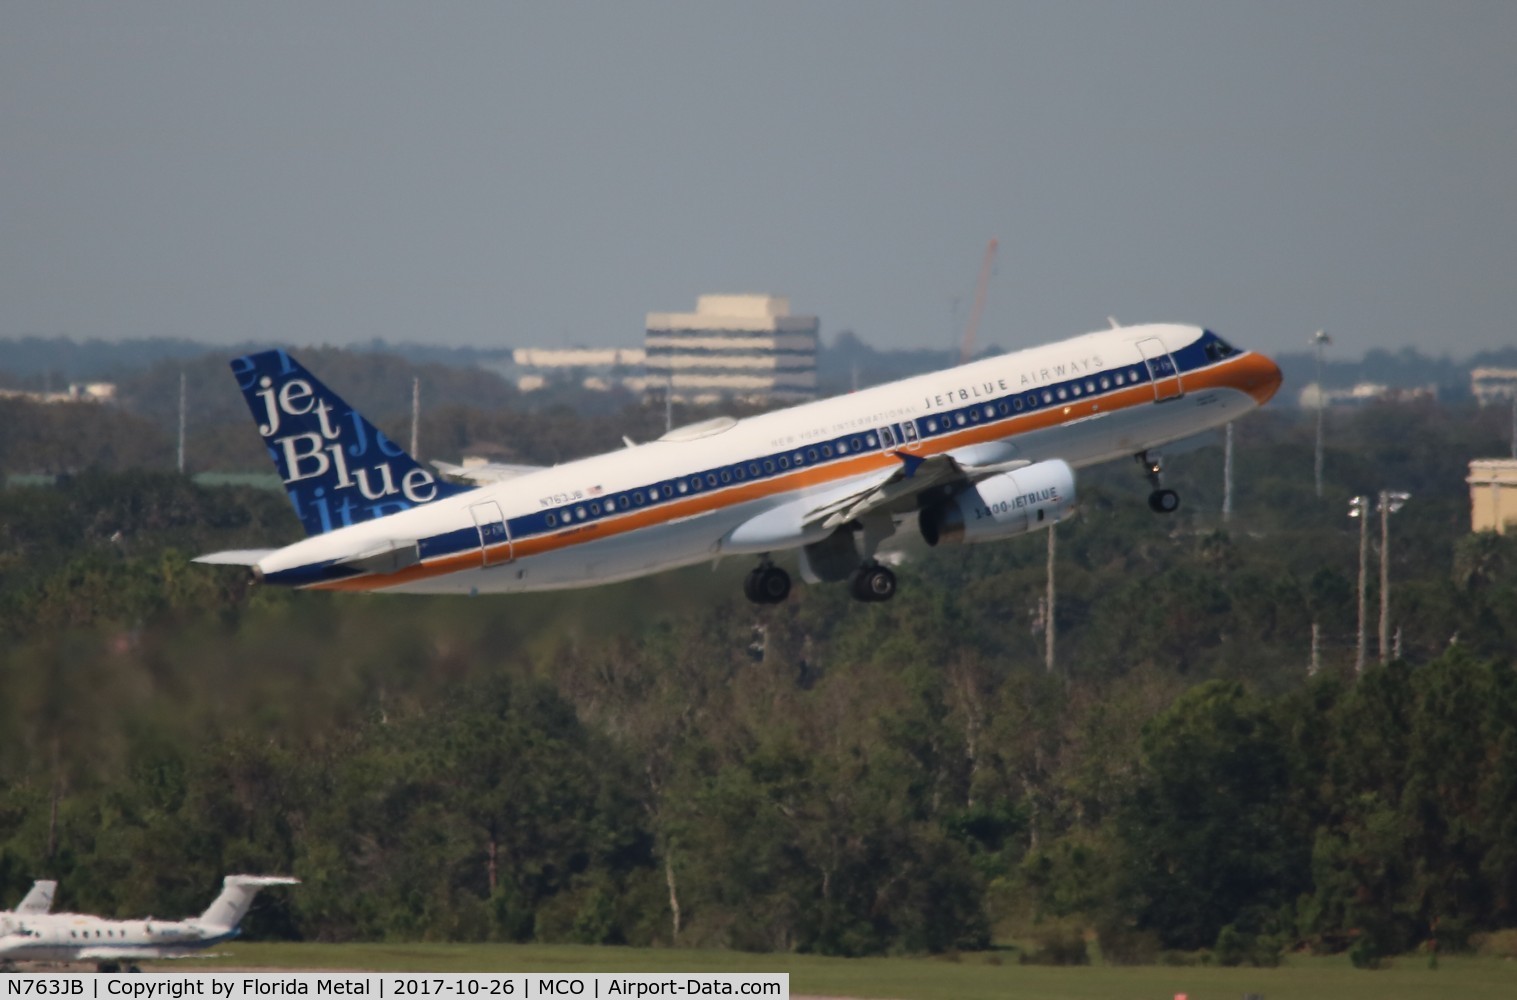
{"x": 1260, "y": 378}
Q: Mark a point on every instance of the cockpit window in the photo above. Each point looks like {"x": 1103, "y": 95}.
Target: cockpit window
{"x": 1217, "y": 348}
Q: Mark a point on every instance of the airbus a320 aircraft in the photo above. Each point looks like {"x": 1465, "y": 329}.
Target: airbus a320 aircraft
{"x": 971, "y": 454}
{"x": 77, "y": 937}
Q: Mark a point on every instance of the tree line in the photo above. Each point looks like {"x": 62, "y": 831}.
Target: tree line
{"x": 661, "y": 763}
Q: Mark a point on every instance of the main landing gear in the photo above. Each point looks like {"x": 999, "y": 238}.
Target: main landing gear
{"x": 767, "y": 584}
{"x": 1160, "y": 501}
{"x": 872, "y": 582}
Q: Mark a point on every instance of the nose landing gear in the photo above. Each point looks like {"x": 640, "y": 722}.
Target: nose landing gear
{"x": 1160, "y": 501}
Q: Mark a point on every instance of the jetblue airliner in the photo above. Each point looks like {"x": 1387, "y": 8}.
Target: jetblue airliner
{"x": 975, "y": 453}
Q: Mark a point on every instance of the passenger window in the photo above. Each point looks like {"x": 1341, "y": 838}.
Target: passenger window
{"x": 826, "y": 451}
{"x": 842, "y": 447}
{"x": 683, "y": 486}
{"x": 638, "y": 498}
{"x": 989, "y": 411}
{"x": 1075, "y": 389}
{"x": 769, "y": 465}
{"x": 932, "y": 426}
{"x": 855, "y": 443}
{"x": 784, "y": 462}
{"x": 738, "y": 472}
{"x": 552, "y": 520}
{"x": 1120, "y": 379}
{"x": 1016, "y": 404}
{"x": 1105, "y": 382}
{"x": 1047, "y": 396}
{"x": 869, "y": 440}
{"x": 1090, "y": 385}
{"x": 1003, "y": 408}
{"x": 753, "y": 469}
{"x": 579, "y": 513}
{"x": 594, "y": 509}
{"x": 1063, "y": 393}
{"x": 958, "y": 418}
{"x": 974, "y": 416}
{"x": 811, "y": 454}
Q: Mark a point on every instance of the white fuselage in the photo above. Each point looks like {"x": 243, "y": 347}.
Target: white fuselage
{"x": 62, "y": 937}
{"x": 674, "y": 502}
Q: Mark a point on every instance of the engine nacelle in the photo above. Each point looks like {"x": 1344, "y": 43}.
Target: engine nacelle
{"x": 1012, "y": 503}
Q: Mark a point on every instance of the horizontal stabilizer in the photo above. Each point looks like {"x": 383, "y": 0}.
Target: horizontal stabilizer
{"x": 234, "y": 557}
{"x": 485, "y": 473}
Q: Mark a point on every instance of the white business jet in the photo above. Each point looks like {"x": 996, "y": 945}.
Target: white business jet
{"x": 972, "y": 454}
{"x": 77, "y": 937}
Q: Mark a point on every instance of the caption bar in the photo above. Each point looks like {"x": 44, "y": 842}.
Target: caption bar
{"x": 397, "y": 986}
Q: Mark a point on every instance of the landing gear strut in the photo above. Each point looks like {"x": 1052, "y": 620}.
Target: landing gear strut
{"x": 872, "y": 582}
{"x": 767, "y": 584}
{"x": 1160, "y": 501}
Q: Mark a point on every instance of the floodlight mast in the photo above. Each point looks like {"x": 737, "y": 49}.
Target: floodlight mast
{"x": 1358, "y": 508}
{"x": 1320, "y": 340}
{"x": 1390, "y": 502}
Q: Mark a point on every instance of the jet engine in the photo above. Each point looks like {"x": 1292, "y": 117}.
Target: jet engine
{"x": 1011, "y": 503}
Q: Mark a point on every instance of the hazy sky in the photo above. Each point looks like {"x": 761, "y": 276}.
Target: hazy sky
{"x": 546, "y": 173}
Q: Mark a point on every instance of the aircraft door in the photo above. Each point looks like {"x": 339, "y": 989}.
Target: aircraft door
{"x": 1161, "y": 369}
{"x": 909, "y": 434}
{"x": 887, "y": 438}
{"x": 494, "y": 537}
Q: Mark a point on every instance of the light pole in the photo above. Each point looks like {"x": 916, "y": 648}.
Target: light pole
{"x": 1320, "y": 340}
{"x": 1390, "y": 501}
{"x": 1359, "y": 507}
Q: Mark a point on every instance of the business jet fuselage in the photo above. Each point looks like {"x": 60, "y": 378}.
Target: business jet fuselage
{"x": 973, "y": 453}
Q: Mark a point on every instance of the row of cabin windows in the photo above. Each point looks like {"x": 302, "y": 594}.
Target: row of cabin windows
{"x": 742, "y": 472}
{"x": 1031, "y": 400}
{"x": 780, "y": 463}
{"x": 108, "y": 933}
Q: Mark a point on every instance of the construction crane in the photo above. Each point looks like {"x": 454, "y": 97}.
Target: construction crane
{"x": 966, "y": 349}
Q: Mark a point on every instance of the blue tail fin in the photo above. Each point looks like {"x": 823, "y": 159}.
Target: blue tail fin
{"x": 337, "y": 467}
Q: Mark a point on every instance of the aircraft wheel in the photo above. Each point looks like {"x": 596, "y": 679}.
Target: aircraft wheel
{"x": 1164, "y": 501}
{"x": 767, "y": 585}
{"x": 873, "y": 583}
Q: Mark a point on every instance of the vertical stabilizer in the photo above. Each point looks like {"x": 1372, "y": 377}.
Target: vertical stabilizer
{"x": 338, "y": 468}
{"x": 39, "y": 899}
{"x": 236, "y": 896}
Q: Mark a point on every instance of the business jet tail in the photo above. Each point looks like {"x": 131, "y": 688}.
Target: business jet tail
{"x": 39, "y": 899}
{"x": 338, "y": 468}
{"x": 236, "y": 897}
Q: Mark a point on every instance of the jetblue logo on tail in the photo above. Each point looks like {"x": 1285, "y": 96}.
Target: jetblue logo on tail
{"x": 337, "y": 467}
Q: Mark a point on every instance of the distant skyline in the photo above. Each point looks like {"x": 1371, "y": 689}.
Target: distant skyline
{"x": 545, "y": 174}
